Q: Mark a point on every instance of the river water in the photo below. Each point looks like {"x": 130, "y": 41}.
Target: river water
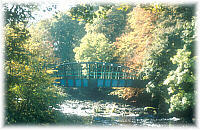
{"x": 107, "y": 113}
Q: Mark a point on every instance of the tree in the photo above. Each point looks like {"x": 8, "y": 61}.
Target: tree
{"x": 94, "y": 47}
{"x": 133, "y": 44}
{"x": 15, "y": 14}
{"x": 112, "y": 26}
{"x": 181, "y": 79}
{"x": 40, "y": 44}
{"x": 66, "y": 34}
{"x": 30, "y": 97}
{"x": 88, "y": 13}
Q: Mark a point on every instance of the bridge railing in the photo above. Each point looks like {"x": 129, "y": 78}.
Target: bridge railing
{"x": 94, "y": 70}
{"x": 104, "y": 75}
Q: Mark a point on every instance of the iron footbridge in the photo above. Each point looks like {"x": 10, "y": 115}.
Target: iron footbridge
{"x": 96, "y": 74}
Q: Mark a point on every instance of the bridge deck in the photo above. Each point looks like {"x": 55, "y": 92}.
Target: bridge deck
{"x": 101, "y": 83}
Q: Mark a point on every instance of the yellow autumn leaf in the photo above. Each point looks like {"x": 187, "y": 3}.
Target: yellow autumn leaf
{"x": 51, "y": 71}
{"x": 27, "y": 68}
{"x": 12, "y": 62}
{"x": 119, "y": 8}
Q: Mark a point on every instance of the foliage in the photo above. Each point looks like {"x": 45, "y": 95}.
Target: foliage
{"x": 88, "y": 12}
{"x": 181, "y": 79}
{"x": 18, "y": 13}
{"x": 97, "y": 45}
{"x": 66, "y": 34}
{"x": 112, "y": 26}
{"x": 155, "y": 8}
{"x": 127, "y": 93}
{"x": 29, "y": 89}
{"x": 15, "y": 37}
{"x": 94, "y": 47}
{"x": 132, "y": 46}
{"x": 30, "y": 97}
{"x": 170, "y": 63}
{"x": 40, "y": 43}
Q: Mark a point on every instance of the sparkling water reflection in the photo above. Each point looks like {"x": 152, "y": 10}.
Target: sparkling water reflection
{"x": 103, "y": 113}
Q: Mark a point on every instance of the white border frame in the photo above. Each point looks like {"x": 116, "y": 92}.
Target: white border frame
{"x": 100, "y": 1}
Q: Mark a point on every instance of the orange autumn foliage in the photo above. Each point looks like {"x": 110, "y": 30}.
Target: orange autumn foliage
{"x": 132, "y": 46}
{"x": 127, "y": 93}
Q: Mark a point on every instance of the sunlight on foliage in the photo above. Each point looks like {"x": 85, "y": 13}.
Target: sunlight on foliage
{"x": 127, "y": 93}
{"x": 94, "y": 47}
{"x": 132, "y": 45}
{"x": 30, "y": 97}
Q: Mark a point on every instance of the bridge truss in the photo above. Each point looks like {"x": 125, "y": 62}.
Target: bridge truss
{"x": 95, "y": 74}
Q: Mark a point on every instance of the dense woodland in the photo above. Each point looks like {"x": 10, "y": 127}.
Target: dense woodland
{"x": 155, "y": 40}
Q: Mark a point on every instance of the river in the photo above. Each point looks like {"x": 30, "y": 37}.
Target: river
{"x": 108, "y": 113}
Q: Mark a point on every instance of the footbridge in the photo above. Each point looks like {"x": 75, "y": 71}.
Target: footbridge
{"x": 96, "y": 74}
